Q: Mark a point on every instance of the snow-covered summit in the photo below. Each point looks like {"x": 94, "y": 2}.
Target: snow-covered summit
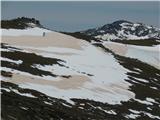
{"x": 124, "y": 30}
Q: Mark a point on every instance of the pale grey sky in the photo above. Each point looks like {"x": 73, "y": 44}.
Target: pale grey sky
{"x": 75, "y": 16}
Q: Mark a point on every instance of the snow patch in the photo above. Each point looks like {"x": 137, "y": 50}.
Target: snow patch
{"x": 9, "y": 60}
{"x": 36, "y": 31}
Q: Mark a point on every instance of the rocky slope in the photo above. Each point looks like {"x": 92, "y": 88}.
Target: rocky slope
{"x": 20, "y": 23}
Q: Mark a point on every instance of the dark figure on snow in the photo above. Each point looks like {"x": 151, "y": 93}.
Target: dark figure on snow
{"x": 43, "y": 34}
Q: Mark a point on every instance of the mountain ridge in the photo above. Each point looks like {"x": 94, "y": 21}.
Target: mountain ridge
{"x": 20, "y": 23}
{"x": 124, "y": 30}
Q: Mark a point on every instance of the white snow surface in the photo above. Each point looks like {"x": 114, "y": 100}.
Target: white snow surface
{"x": 104, "y": 68}
{"x": 106, "y": 85}
{"x": 9, "y": 60}
{"x": 36, "y": 31}
{"x": 149, "y": 55}
{"x": 107, "y": 37}
{"x": 16, "y": 91}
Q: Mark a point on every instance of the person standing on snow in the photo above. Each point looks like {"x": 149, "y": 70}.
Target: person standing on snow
{"x": 43, "y": 34}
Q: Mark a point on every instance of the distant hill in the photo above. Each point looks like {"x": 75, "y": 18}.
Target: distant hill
{"x": 20, "y": 23}
{"x": 124, "y": 30}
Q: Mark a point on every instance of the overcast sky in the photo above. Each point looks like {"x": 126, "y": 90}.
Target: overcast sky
{"x": 75, "y": 16}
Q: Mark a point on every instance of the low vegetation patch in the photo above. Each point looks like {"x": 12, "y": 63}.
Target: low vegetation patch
{"x": 144, "y": 42}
